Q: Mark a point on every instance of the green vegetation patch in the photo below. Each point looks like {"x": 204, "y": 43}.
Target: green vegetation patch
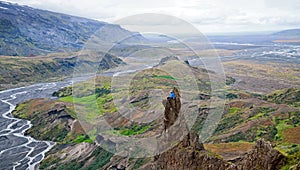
{"x": 230, "y": 81}
{"x": 101, "y": 157}
{"x": 233, "y": 110}
{"x": 165, "y": 77}
{"x": 134, "y": 130}
{"x": 140, "y": 162}
{"x": 287, "y": 96}
{"x": 230, "y": 120}
{"x": 292, "y": 156}
{"x": 66, "y": 91}
{"x": 283, "y": 124}
{"x": 82, "y": 138}
{"x": 93, "y": 105}
{"x": 21, "y": 111}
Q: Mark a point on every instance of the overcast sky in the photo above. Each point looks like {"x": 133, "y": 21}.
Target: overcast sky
{"x": 209, "y": 16}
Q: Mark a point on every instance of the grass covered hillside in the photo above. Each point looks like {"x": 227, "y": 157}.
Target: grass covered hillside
{"x": 247, "y": 118}
{"x": 60, "y": 121}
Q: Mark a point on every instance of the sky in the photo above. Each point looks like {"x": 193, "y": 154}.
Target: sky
{"x": 209, "y": 16}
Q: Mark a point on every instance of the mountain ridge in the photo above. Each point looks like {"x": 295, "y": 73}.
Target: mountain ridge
{"x": 26, "y": 31}
{"x": 288, "y": 32}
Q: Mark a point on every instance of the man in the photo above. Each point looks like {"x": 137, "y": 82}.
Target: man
{"x": 172, "y": 95}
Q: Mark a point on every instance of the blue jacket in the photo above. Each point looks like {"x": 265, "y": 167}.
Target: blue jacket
{"x": 172, "y": 95}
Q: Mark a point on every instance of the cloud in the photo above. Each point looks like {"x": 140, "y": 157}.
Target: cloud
{"x": 207, "y": 15}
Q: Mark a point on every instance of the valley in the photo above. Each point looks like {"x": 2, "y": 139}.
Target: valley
{"x": 72, "y": 99}
{"x": 247, "y": 117}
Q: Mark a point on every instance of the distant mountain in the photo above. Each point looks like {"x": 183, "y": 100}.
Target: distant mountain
{"x": 26, "y": 31}
{"x": 291, "y": 32}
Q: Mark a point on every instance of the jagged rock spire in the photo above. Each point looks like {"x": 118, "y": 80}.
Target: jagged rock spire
{"x": 172, "y": 109}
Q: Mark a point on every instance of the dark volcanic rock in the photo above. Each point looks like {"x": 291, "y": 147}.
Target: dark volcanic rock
{"x": 189, "y": 153}
{"x": 172, "y": 109}
{"x": 263, "y": 156}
